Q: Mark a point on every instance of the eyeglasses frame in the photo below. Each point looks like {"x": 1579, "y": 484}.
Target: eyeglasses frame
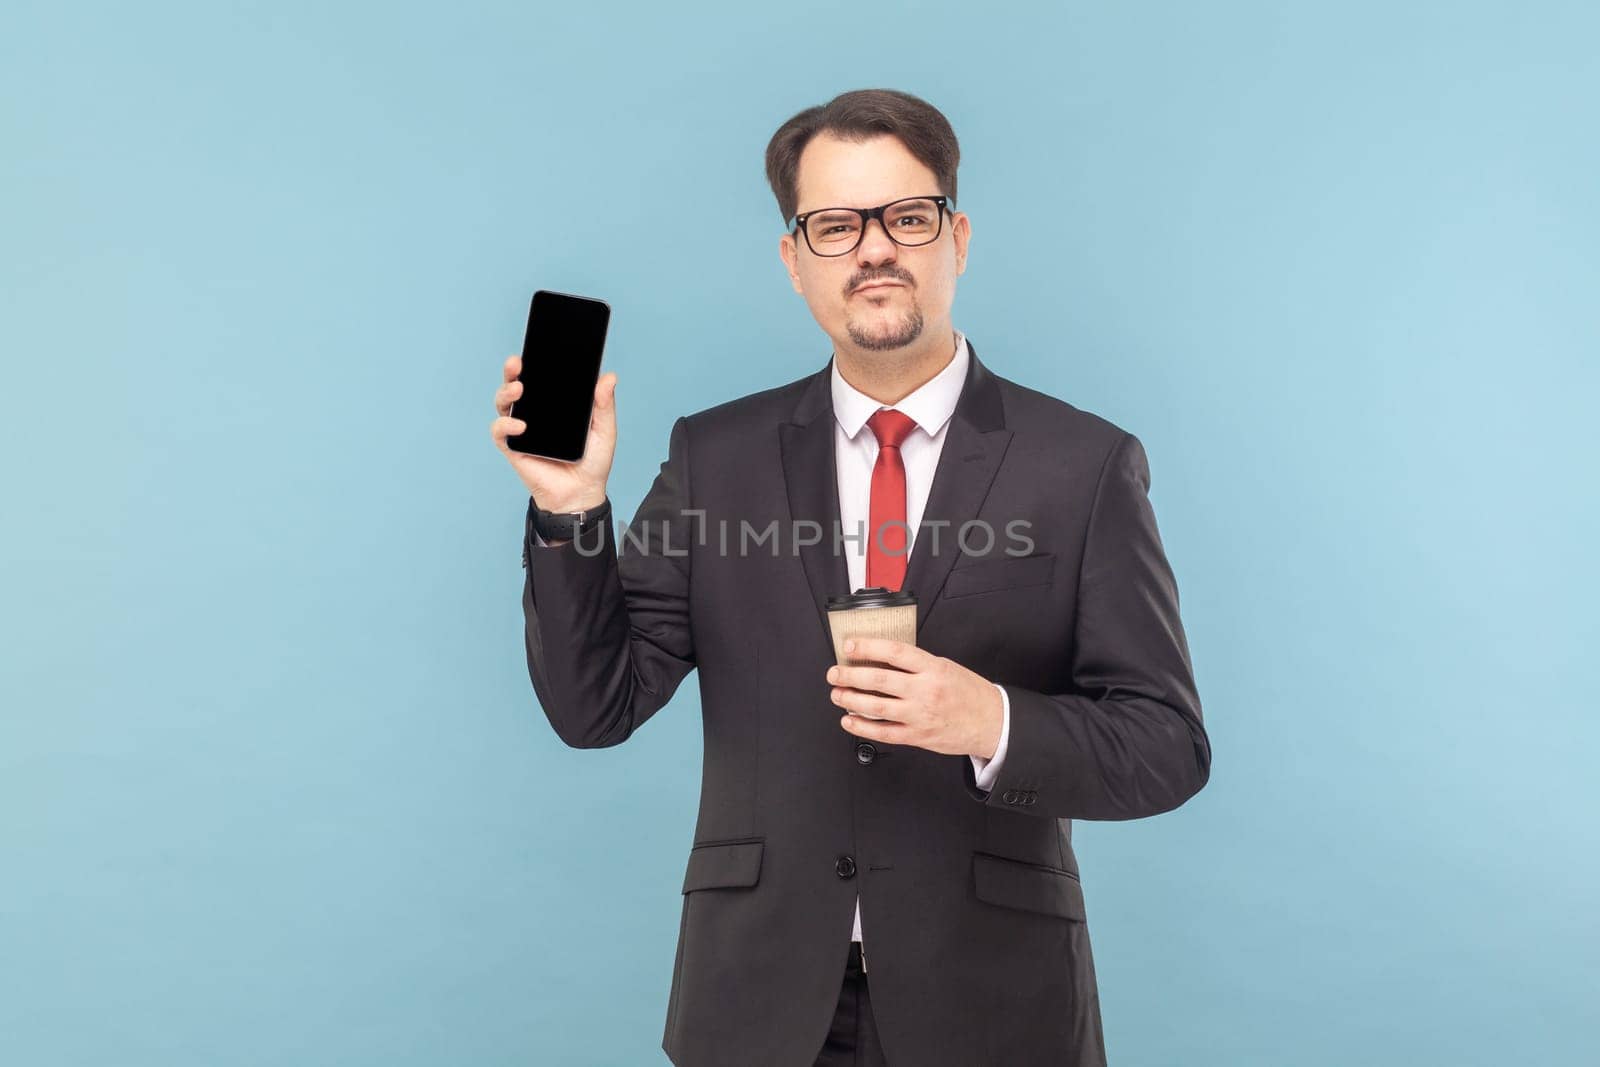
{"x": 867, "y": 214}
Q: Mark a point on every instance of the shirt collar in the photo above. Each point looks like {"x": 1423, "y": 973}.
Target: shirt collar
{"x": 930, "y": 405}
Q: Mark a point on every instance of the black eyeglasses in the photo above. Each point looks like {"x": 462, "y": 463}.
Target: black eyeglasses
{"x": 836, "y": 231}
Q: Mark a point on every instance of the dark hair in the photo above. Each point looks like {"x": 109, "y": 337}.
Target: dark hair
{"x": 857, "y": 116}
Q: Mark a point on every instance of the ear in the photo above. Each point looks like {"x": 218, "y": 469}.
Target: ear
{"x": 790, "y": 256}
{"x": 961, "y": 232}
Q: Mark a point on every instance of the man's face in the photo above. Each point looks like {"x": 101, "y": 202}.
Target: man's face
{"x": 838, "y": 173}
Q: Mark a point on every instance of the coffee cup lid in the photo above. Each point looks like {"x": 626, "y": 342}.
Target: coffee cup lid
{"x": 873, "y": 596}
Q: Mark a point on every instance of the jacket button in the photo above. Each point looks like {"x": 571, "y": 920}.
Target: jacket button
{"x": 1010, "y": 796}
{"x": 865, "y": 753}
{"x": 1032, "y": 796}
{"x": 845, "y": 868}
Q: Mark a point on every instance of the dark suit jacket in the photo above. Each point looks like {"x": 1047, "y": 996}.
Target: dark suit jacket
{"x": 972, "y": 910}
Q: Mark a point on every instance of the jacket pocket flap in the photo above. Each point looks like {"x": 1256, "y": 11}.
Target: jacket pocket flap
{"x": 724, "y": 863}
{"x": 1029, "y": 886}
{"x": 1006, "y": 572}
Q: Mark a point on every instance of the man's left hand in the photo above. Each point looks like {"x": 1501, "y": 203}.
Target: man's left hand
{"x": 926, "y": 701}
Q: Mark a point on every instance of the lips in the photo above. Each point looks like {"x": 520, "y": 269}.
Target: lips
{"x": 877, "y": 285}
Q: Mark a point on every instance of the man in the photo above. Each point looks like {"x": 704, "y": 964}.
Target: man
{"x": 899, "y": 888}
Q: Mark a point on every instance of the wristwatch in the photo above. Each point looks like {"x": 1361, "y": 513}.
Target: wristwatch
{"x": 566, "y": 525}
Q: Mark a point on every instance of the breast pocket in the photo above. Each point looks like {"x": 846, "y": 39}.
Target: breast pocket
{"x": 1006, "y": 572}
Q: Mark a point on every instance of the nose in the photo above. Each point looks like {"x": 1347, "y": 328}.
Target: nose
{"x": 876, "y": 246}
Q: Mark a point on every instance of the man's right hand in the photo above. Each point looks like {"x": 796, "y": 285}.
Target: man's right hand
{"x": 556, "y": 485}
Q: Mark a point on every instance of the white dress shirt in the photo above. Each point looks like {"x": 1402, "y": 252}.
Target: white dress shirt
{"x": 856, "y": 450}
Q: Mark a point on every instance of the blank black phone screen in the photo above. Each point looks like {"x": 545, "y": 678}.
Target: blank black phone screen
{"x": 560, "y": 366}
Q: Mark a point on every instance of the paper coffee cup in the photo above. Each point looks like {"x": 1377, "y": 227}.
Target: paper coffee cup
{"x": 871, "y": 612}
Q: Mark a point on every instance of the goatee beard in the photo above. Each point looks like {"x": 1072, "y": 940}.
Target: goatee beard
{"x": 909, "y": 330}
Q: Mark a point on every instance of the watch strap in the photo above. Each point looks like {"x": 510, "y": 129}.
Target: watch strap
{"x": 564, "y": 525}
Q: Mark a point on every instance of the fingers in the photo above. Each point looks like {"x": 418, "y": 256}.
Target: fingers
{"x": 884, "y": 730}
{"x": 605, "y": 400}
{"x": 504, "y": 426}
{"x": 872, "y": 705}
{"x": 885, "y": 680}
{"x": 504, "y": 396}
{"x": 513, "y": 367}
{"x": 901, "y": 654}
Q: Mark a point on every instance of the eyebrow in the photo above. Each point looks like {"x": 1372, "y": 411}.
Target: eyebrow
{"x": 841, "y": 207}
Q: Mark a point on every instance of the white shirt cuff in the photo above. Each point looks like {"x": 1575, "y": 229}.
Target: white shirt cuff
{"x": 987, "y": 770}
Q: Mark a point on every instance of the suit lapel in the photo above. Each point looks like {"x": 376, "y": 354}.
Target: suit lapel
{"x": 811, "y": 480}
{"x": 973, "y": 448}
{"x": 974, "y": 445}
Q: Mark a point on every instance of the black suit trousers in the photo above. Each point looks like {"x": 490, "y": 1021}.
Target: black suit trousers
{"x": 853, "y": 1037}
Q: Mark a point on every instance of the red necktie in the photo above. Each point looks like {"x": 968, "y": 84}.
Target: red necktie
{"x": 886, "y": 545}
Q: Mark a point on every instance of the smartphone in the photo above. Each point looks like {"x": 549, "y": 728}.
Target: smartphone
{"x": 560, "y": 367}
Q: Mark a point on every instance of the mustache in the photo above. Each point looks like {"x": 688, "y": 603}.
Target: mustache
{"x": 879, "y": 278}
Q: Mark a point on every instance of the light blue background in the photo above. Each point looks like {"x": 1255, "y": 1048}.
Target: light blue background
{"x": 274, "y": 787}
